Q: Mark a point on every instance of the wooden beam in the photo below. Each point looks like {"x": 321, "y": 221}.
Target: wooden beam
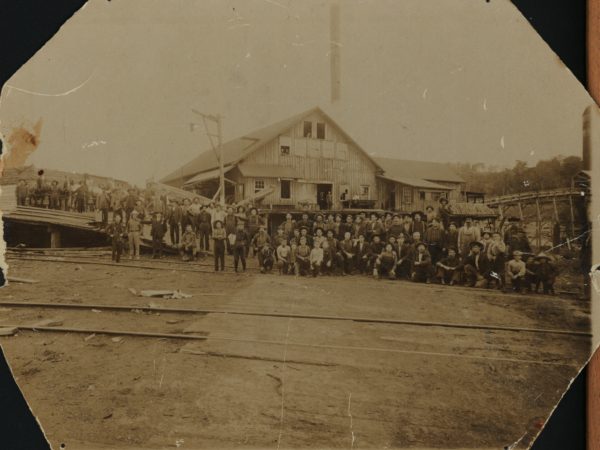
{"x": 555, "y": 209}
{"x": 520, "y": 211}
{"x": 539, "y": 224}
{"x": 572, "y": 216}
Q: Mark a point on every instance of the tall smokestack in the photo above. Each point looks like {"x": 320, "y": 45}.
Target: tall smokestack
{"x": 587, "y": 138}
{"x": 335, "y": 51}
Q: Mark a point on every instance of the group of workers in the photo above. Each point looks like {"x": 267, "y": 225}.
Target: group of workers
{"x": 423, "y": 247}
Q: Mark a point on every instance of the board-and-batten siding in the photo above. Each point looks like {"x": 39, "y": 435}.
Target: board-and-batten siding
{"x": 354, "y": 171}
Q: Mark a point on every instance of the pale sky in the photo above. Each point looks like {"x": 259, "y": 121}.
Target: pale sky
{"x": 439, "y": 80}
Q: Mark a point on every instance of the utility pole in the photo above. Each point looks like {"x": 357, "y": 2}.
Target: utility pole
{"x": 217, "y": 148}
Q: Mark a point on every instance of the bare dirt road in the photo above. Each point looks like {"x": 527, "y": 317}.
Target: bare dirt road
{"x": 281, "y": 380}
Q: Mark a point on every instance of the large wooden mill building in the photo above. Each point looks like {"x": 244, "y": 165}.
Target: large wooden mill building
{"x": 295, "y": 163}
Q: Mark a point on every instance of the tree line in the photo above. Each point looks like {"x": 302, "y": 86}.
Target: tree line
{"x": 546, "y": 174}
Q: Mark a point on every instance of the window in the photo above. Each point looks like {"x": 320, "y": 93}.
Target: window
{"x": 406, "y": 195}
{"x": 259, "y": 185}
{"x": 284, "y": 150}
{"x": 364, "y": 191}
{"x": 320, "y": 130}
{"x": 286, "y": 189}
{"x": 307, "y": 129}
{"x": 421, "y": 195}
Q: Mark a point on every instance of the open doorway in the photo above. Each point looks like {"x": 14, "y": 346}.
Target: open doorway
{"x": 325, "y": 195}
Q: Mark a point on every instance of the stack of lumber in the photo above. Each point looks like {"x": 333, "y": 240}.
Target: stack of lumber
{"x": 176, "y": 193}
{"x": 472, "y": 210}
{"x": 43, "y": 216}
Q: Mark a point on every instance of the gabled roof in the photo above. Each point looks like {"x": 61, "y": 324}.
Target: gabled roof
{"x": 236, "y": 149}
{"x": 431, "y": 171}
{"x": 415, "y": 182}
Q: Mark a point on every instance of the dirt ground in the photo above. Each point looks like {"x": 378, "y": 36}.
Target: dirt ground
{"x": 281, "y": 382}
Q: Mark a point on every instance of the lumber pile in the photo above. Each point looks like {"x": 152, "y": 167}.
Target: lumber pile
{"x": 43, "y": 216}
{"x": 176, "y": 193}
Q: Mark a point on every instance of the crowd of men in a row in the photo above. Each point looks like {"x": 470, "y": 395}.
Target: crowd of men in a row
{"x": 417, "y": 246}
{"x": 422, "y": 246}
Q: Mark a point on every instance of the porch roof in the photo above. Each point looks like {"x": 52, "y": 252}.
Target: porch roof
{"x": 415, "y": 182}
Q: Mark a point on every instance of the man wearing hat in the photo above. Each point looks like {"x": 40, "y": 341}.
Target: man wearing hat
{"x": 257, "y": 243}
{"x": 476, "y": 266}
{"x": 173, "y": 219}
{"x": 305, "y": 222}
{"x": 188, "y": 244}
{"x": 347, "y": 226}
{"x": 496, "y": 253}
{"x": 449, "y": 267}
{"x": 129, "y": 202}
{"x": 318, "y": 223}
{"x": 254, "y": 222}
{"x": 375, "y": 249}
{"x": 444, "y": 212}
{"x": 304, "y": 233}
{"x": 451, "y": 237}
{"x": 395, "y": 229}
{"x": 266, "y": 258}
{"x": 361, "y": 254}
{"x": 417, "y": 223}
{"x": 288, "y": 225}
{"x": 204, "y": 227}
{"x": 157, "y": 231}
{"x": 102, "y": 204}
{"x": 318, "y": 237}
{"x": 346, "y": 247}
{"x": 434, "y": 238}
{"x": 219, "y": 236}
{"x": 240, "y": 244}
{"x": 407, "y": 225}
{"x": 545, "y": 273}
{"x": 302, "y": 258}
{"x": 517, "y": 270}
{"x": 467, "y": 235}
{"x": 421, "y": 264}
{"x": 134, "y": 229}
{"x": 374, "y": 228}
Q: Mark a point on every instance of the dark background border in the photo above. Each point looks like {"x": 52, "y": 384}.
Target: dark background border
{"x": 25, "y": 25}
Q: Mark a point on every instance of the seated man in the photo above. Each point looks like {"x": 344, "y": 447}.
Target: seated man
{"x": 404, "y": 263}
{"x": 188, "y": 245}
{"x": 375, "y": 249}
{"x": 265, "y": 258}
{"x": 448, "y": 268}
{"x": 361, "y": 254}
{"x": 476, "y": 266}
{"x": 517, "y": 271}
{"x": 316, "y": 259}
{"x": 347, "y": 251}
{"x": 421, "y": 264}
{"x": 302, "y": 258}
{"x": 386, "y": 263}
{"x": 328, "y": 265}
{"x": 284, "y": 257}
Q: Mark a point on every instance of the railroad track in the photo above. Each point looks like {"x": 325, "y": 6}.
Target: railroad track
{"x": 374, "y": 320}
{"x": 498, "y": 354}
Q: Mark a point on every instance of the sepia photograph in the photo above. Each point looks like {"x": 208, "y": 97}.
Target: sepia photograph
{"x": 294, "y": 224}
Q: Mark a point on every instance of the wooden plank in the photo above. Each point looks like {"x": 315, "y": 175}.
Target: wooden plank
{"x": 538, "y": 224}
{"x": 572, "y": 216}
{"x": 556, "y": 217}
